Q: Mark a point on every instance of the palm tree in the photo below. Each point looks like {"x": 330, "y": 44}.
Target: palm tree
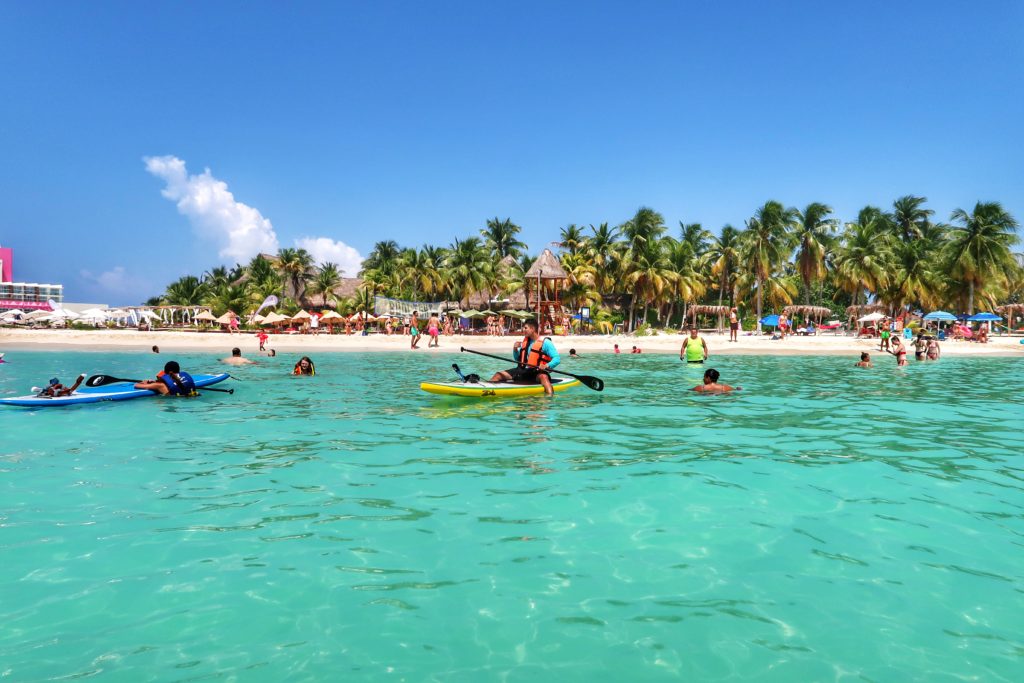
{"x": 645, "y": 228}
{"x": 604, "y": 251}
{"x": 766, "y": 242}
{"x": 814, "y": 243}
{"x": 185, "y": 291}
{"x": 909, "y": 217}
{"x": 468, "y": 267}
{"x": 500, "y": 238}
{"x": 696, "y": 237}
{"x": 217, "y": 276}
{"x": 864, "y": 255}
{"x": 980, "y": 246}
{"x": 724, "y": 256}
{"x": 647, "y": 275}
{"x": 224, "y": 297}
{"x": 327, "y": 278}
{"x": 686, "y": 283}
{"x": 296, "y": 266}
{"x": 571, "y": 238}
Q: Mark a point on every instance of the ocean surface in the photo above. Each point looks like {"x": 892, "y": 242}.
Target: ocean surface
{"x": 824, "y": 524}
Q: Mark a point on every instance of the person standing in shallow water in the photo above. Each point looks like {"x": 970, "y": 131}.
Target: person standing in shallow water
{"x": 414, "y": 331}
{"x": 694, "y": 348}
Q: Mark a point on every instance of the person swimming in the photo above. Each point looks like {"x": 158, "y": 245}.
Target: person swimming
{"x": 711, "y": 385}
{"x": 304, "y": 367}
{"x": 865, "y": 361}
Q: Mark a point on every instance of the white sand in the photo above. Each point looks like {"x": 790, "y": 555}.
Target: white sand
{"x": 222, "y": 342}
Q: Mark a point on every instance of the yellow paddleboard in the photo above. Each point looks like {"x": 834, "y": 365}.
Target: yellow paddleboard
{"x": 494, "y": 389}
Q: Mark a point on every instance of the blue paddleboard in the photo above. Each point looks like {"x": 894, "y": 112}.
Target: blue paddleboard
{"x": 111, "y": 392}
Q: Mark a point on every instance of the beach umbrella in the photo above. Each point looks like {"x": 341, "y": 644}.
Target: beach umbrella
{"x": 36, "y": 315}
{"x": 205, "y": 316}
{"x": 770, "y": 320}
{"x": 940, "y": 315}
{"x": 258, "y": 319}
{"x": 870, "y": 318}
{"x": 301, "y": 316}
{"x": 984, "y": 318}
{"x": 274, "y": 318}
{"x": 331, "y": 316}
{"x": 225, "y": 319}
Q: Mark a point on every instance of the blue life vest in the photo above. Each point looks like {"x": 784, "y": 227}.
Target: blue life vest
{"x": 186, "y": 381}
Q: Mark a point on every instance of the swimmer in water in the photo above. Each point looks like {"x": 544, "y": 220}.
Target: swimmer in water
{"x": 865, "y": 361}
{"x": 711, "y": 385}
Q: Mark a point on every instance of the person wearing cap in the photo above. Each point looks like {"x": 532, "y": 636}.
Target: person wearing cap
{"x": 171, "y": 382}
{"x": 55, "y": 388}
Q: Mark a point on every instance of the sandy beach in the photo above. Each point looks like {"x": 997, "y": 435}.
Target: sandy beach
{"x": 222, "y": 342}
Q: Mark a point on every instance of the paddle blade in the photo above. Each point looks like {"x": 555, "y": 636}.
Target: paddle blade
{"x": 103, "y": 380}
{"x": 595, "y": 383}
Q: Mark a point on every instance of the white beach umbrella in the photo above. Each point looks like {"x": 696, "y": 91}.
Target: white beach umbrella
{"x": 36, "y": 315}
{"x": 870, "y": 318}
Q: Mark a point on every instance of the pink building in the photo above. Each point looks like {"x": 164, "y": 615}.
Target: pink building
{"x": 6, "y": 264}
{"x": 24, "y": 296}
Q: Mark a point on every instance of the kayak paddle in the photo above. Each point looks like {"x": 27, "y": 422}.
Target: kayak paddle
{"x": 595, "y": 383}
{"x": 103, "y": 380}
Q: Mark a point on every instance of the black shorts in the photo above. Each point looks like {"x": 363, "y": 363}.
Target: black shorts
{"x": 734, "y": 326}
{"x": 525, "y": 375}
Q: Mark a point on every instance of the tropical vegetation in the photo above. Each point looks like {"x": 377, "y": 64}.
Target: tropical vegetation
{"x": 641, "y": 271}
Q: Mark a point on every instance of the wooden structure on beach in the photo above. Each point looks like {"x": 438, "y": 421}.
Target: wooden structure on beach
{"x": 702, "y": 309}
{"x": 544, "y": 282}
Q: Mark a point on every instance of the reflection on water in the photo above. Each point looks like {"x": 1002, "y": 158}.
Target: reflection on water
{"x": 821, "y": 524}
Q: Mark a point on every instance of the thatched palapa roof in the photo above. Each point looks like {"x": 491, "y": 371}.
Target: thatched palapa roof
{"x": 709, "y": 310}
{"x": 546, "y": 267}
{"x": 811, "y": 311}
{"x": 863, "y": 309}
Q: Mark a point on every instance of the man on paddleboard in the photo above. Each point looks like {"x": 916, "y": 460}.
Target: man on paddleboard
{"x": 535, "y": 356}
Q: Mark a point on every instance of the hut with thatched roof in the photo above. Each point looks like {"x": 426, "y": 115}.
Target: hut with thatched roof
{"x": 544, "y": 282}
{"x": 816, "y": 312}
{"x": 702, "y": 309}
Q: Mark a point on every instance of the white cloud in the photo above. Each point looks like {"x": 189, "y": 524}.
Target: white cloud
{"x": 325, "y": 249}
{"x": 239, "y": 231}
{"x": 117, "y": 280}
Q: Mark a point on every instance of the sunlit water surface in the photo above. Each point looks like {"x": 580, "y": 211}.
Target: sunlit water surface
{"x": 826, "y": 524}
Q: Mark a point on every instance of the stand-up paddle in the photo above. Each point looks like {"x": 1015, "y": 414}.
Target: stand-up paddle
{"x": 103, "y": 380}
{"x": 595, "y": 383}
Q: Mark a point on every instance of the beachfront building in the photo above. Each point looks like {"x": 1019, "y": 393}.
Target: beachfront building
{"x": 26, "y": 296}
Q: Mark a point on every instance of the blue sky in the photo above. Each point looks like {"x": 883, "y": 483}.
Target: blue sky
{"x": 347, "y": 123}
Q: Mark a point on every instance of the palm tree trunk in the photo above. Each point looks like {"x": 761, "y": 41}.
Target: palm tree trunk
{"x": 970, "y": 298}
{"x": 759, "y": 305}
{"x": 671, "y": 310}
{"x": 646, "y": 308}
{"x": 629, "y": 321}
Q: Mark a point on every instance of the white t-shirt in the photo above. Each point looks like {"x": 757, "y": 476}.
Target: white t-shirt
{"x": 314, "y": 322}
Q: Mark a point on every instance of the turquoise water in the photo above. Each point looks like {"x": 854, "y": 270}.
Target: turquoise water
{"x": 826, "y": 524}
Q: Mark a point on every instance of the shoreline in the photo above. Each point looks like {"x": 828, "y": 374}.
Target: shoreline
{"x": 220, "y": 342}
